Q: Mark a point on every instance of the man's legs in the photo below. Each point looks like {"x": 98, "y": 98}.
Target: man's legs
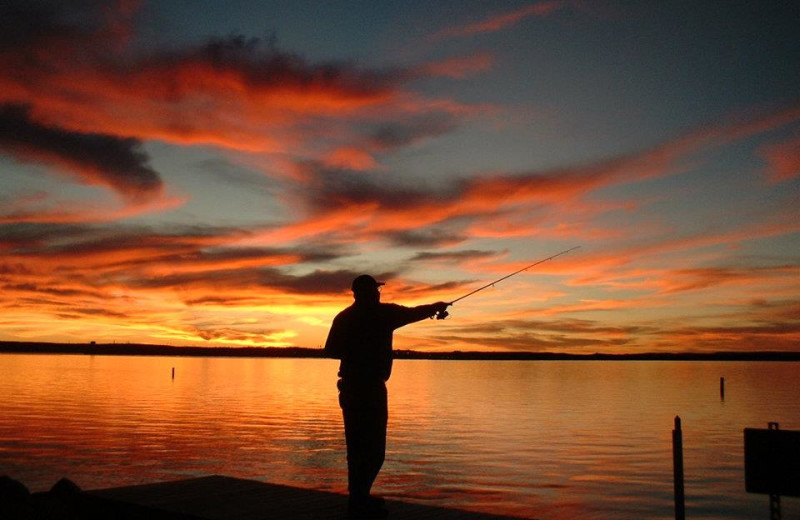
{"x": 365, "y": 432}
{"x": 365, "y": 419}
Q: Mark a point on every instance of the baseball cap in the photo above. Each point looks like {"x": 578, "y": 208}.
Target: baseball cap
{"x": 364, "y": 282}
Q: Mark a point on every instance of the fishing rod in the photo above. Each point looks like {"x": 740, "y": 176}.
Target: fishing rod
{"x": 442, "y": 315}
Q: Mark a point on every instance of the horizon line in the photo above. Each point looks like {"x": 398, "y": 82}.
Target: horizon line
{"x": 145, "y": 349}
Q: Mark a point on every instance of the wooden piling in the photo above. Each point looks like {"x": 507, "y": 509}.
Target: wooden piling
{"x": 173, "y": 372}
{"x": 722, "y": 388}
{"x": 677, "y": 469}
{"x": 774, "y": 498}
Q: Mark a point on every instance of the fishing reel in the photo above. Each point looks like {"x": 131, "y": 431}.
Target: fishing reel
{"x": 442, "y": 314}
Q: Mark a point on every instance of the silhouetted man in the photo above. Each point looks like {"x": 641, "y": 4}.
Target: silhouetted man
{"x": 361, "y": 336}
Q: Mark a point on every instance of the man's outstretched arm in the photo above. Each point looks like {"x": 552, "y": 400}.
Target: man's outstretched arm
{"x": 419, "y": 313}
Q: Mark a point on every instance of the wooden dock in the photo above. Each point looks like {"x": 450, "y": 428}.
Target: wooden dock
{"x": 226, "y": 498}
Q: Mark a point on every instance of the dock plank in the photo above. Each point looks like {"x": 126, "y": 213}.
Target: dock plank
{"x": 219, "y": 497}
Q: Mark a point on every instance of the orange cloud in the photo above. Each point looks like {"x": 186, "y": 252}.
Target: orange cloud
{"x": 360, "y": 206}
{"x": 178, "y": 285}
{"x": 703, "y": 278}
{"x": 500, "y": 21}
{"x": 356, "y": 205}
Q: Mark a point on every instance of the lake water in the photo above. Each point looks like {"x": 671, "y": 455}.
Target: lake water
{"x": 537, "y": 439}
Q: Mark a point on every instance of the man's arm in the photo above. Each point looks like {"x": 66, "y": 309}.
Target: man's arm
{"x": 412, "y": 314}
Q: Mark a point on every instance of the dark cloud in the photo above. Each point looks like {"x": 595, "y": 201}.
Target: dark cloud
{"x": 401, "y": 134}
{"x": 588, "y": 335}
{"x": 118, "y": 163}
{"x": 334, "y": 188}
{"x": 24, "y": 235}
{"x": 316, "y": 282}
{"x": 536, "y": 335}
{"x": 35, "y": 34}
{"x": 57, "y": 267}
{"x": 52, "y": 291}
{"x": 776, "y": 325}
{"x": 752, "y": 332}
{"x": 427, "y": 237}
{"x": 232, "y": 334}
{"x": 261, "y": 64}
{"x": 65, "y": 240}
{"x": 532, "y": 341}
{"x": 423, "y": 290}
{"x": 77, "y": 313}
{"x": 93, "y": 99}
{"x": 454, "y": 256}
{"x": 221, "y": 300}
{"x": 570, "y": 326}
{"x": 41, "y": 38}
{"x": 26, "y": 26}
{"x": 201, "y": 247}
{"x": 13, "y": 269}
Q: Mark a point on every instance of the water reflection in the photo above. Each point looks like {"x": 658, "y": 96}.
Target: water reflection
{"x": 544, "y": 439}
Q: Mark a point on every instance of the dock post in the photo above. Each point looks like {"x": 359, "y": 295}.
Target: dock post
{"x": 774, "y": 498}
{"x": 173, "y": 372}
{"x": 722, "y": 388}
{"x": 677, "y": 469}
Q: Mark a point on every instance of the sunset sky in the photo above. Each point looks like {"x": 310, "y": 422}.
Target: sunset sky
{"x": 216, "y": 173}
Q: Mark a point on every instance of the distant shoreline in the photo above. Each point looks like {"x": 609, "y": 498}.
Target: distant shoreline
{"x": 138, "y": 349}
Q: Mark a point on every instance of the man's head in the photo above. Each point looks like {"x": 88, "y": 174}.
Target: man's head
{"x": 366, "y": 289}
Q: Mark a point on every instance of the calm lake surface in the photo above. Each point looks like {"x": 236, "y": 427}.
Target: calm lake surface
{"x": 537, "y": 439}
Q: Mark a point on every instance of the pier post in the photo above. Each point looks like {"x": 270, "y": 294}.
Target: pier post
{"x": 774, "y": 498}
{"x": 677, "y": 469}
{"x": 173, "y": 372}
{"x": 722, "y": 388}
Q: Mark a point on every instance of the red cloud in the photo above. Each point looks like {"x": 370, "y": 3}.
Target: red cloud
{"x": 351, "y": 158}
{"x": 783, "y": 159}
{"x": 237, "y": 93}
{"x": 364, "y": 207}
{"x": 233, "y": 93}
{"x": 460, "y": 67}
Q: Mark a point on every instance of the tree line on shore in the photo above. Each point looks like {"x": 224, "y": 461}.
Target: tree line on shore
{"x": 140, "y": 349}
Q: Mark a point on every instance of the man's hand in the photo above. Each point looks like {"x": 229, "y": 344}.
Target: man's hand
{"x": 440, "y": 309}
